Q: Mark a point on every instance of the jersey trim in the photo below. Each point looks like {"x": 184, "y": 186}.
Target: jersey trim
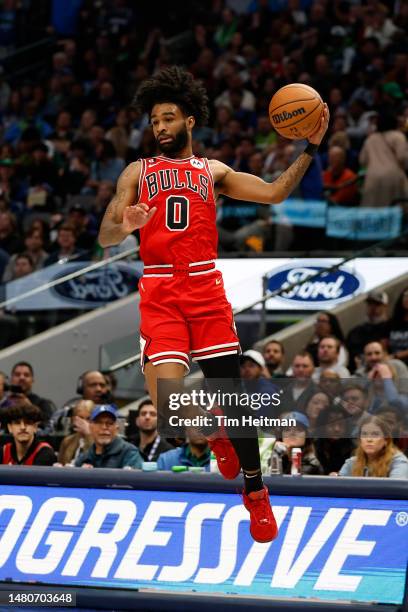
{"x": 175, "y": 161}
{"x": 215, "y": 354}
{"x": 215, "y": 346}
{"x": 141, "y": 178}
{"x": 210, "y": 174}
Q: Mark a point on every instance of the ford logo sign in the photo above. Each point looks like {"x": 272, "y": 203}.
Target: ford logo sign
{"x": 99, "y": 286}
{"x": 332, "y": 287}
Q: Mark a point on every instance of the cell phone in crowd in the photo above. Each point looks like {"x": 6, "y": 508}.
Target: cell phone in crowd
{"x": 13, "y": 389}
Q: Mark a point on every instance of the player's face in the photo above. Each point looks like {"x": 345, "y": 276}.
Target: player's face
{"x": 170, "y": 128}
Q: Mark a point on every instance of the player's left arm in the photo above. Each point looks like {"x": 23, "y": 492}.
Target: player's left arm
{"x": 243, "y": 186}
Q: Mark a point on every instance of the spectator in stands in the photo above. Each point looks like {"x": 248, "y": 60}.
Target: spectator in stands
{"x": 340, "y": 183}
{"x": 297, "y": 437}
{"x": 34, "y": 247}
{"x": 92, "y": 386}
{"x": 79, "y": 441}
{"x": 354, "y": 400}
{"x": 151, "y": 445}
{"x": 10, "y": 240}
{"x": 384, "y": 156}
{"x": 333, "y": 443}
{"x": 253, "y": 373}
{"x": 328, "y": 351}
{"x": 194, "y": 453}
{"x": 375, "y": 355}
{"x": 84, "y": 226}
{"x": 108, "y": 450}
{"x": 330, "y": 383}
{"x": 374, "y": 329}
{"x": 319, "y": 402}
{"x": 327, "y": 324}
{"x": 22, "y": 420}
{"x": 3, "y": 393}
{"x": 22, "y": 375}
{"x": 383, "y": 388}
{"x": 274, "y": 355}
{"x": 106, "y": 167}
{"x": 301, "y": 388}
{"x": 66, "y": 246}
{"x": 397, "y": 421}
{"x": 398, "y": 329}
{"x": 22, "y": 265}
{"x": 376, "y": 454}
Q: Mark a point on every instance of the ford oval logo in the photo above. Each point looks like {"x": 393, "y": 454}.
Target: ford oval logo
{"x": 99, "y": 286}
{"x": 331, "y": 287}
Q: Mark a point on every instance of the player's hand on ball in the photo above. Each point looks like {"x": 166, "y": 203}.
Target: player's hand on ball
{"x": 317, "y": 136}
{"x": 135, "y": 217}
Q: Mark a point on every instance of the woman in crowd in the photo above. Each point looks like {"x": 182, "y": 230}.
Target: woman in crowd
{"x": 398, "y": 335}
{"x": 332, "y": 442}
{"x": 319, "y": 402}
{"x": 376, "y": 455}
{"x": 327, "y": 324}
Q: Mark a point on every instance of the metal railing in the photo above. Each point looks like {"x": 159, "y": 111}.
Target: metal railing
{"x": 267, "y": 295}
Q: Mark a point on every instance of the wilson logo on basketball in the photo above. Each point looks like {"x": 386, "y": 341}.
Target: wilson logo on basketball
{"x": 280, "y": 117}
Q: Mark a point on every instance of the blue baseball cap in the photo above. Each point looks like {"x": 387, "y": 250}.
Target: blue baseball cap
{"x": 300, "y": 418}
{"x": 102, "y": 409}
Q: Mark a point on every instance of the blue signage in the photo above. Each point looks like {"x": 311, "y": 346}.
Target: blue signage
{"x": 327, "y": 548}
{"x": 99, "y": 286}
{"x": 331, "y": 287}
{"x": 364, "y": 223}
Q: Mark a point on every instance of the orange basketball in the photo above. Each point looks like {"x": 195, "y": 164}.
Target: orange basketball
{"x": 295, "y": 111}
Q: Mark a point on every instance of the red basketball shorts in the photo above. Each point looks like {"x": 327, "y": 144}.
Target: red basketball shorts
{"x": 184, "y": 313}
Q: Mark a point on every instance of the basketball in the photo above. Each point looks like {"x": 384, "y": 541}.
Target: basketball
{"x": 295, "y": 111}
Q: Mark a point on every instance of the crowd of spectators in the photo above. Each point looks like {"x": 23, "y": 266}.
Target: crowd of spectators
{"x": 67, "y": 131}
{"x": 68, "y": 127}
{"x": 348, "y": 395}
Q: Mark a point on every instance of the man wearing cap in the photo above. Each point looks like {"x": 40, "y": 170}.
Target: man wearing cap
{"x": 253, "y": 369}
{"x": 108, "y": 449}
{"x": 375, "y": 329}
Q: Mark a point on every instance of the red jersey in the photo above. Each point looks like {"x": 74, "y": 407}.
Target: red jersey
{"x": 183, "y": 228}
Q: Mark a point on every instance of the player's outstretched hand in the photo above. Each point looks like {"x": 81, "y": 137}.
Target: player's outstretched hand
{"x": 135, "y": 217}
{"x": 317, "y": 136}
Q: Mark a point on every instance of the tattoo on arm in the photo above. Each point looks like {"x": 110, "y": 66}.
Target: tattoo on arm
{"x": 291, "y": 177}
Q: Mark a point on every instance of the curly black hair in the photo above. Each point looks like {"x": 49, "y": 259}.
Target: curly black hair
{"x": 176, "y": 85}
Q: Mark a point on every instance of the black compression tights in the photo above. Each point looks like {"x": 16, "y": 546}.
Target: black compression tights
{"x": 227, "y": 368}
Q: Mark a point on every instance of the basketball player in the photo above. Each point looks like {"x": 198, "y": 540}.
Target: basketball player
{"x": 171, "y": 199}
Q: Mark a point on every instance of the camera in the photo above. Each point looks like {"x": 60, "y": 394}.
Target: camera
{"x": 13, "y": 389}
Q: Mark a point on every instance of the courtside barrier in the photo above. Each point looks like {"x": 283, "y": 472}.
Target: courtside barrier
{"x": 124, "y": 539}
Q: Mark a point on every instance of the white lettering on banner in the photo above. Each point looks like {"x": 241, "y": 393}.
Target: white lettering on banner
{"x": 312, "y": 289}
{"x": 91, "y": 537}
{"x": 228, "y": 548}
{"x": 257, "y": 553}
{"x": 147, "y": 536}
{"x": 21, "y": 506}
{"x": 346, "y": 545}
{"x": 57, "y": 541}
{"x": 99, "y": 286}
{"x": 192, "y": 542}
{"x": 288, "y": 573}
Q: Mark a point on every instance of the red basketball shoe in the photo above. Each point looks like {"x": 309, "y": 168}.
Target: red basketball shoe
{"x": 220, "y": 444}
{"x": 263, "y": 527}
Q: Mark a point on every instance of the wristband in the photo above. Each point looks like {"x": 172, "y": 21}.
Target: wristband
{"x": 311, "y": 149}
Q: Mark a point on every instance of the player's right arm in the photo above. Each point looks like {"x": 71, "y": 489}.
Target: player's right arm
{"x": 124, "y": 214}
